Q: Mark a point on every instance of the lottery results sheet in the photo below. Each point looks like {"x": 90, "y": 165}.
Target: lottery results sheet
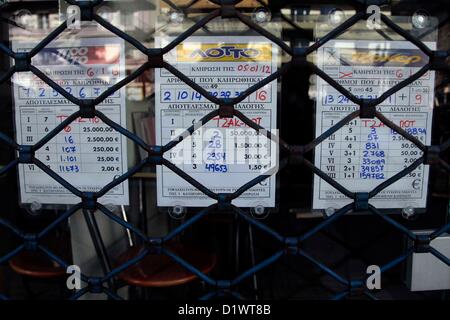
{"x": 365, "y": 152}
{"x": 87, "y": 153}
{"x": 225, "y": 67}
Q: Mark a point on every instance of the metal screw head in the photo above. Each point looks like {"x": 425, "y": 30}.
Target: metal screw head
{"x": 261, "y": 15}
{"x": 176, "y": 17}
{"x": 23, "y": 18}
{"x": 336, "y": 17}
{"x": 259, "y": 210}
{"x": 177, "y": 212}
{"x": 420, "y": 19}
{"x": 408, "y": 212}
{"x": 35, "y": 207}
{"x": 329, "y": 211}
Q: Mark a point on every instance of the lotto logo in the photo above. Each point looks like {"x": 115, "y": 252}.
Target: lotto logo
{"x": 89, "y": 55}
{"x": 384, "y": 57}
{"x": 224, "y": 52}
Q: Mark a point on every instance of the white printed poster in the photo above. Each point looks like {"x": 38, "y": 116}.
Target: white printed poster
{"x": 365, "y": 152}
{"x": 87, "y": 153}
{"x": 225, "y": 153}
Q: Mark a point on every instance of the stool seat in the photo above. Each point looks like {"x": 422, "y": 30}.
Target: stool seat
{"x": 36, "y": 265}
{"x": 159, "y": 270}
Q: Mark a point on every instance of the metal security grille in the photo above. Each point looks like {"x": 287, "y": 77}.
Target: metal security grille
{"x": 292, "y": 154}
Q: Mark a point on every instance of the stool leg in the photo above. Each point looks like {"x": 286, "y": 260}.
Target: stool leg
{"x": 133, "y": 293}
{"x": 147, "y": 293}
{"x": 97, "y": 242}
{"x": 62, "y": 289}
{"x": 26, "y": 285}
{"x": 237, "y": 243}
{"x": 105, "y": 255}
{"x": 252, "y": 256}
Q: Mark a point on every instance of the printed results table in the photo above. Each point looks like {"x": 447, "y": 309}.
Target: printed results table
{"x": 214, "y": 147}
{"x": 208, "y": 146}
{"x": 217, "y": 146}
{"x": 365, "y": 152}
{"x": 368, "y": 150}
{"x": 87, "y": 153}
{"x": 78, "y": 148}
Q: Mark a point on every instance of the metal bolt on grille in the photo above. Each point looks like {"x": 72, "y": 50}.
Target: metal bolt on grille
{"x": 294, "y": 154}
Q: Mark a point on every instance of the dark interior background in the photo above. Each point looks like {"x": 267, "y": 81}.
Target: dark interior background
{"x": 347, "y": 246}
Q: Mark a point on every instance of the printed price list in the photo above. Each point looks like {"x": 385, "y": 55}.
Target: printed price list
{"x": 87, "y": 153}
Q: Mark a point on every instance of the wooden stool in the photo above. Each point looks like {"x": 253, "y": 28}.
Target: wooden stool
{"x": 161, "y": 270}
{"x": 36, "y": 265}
